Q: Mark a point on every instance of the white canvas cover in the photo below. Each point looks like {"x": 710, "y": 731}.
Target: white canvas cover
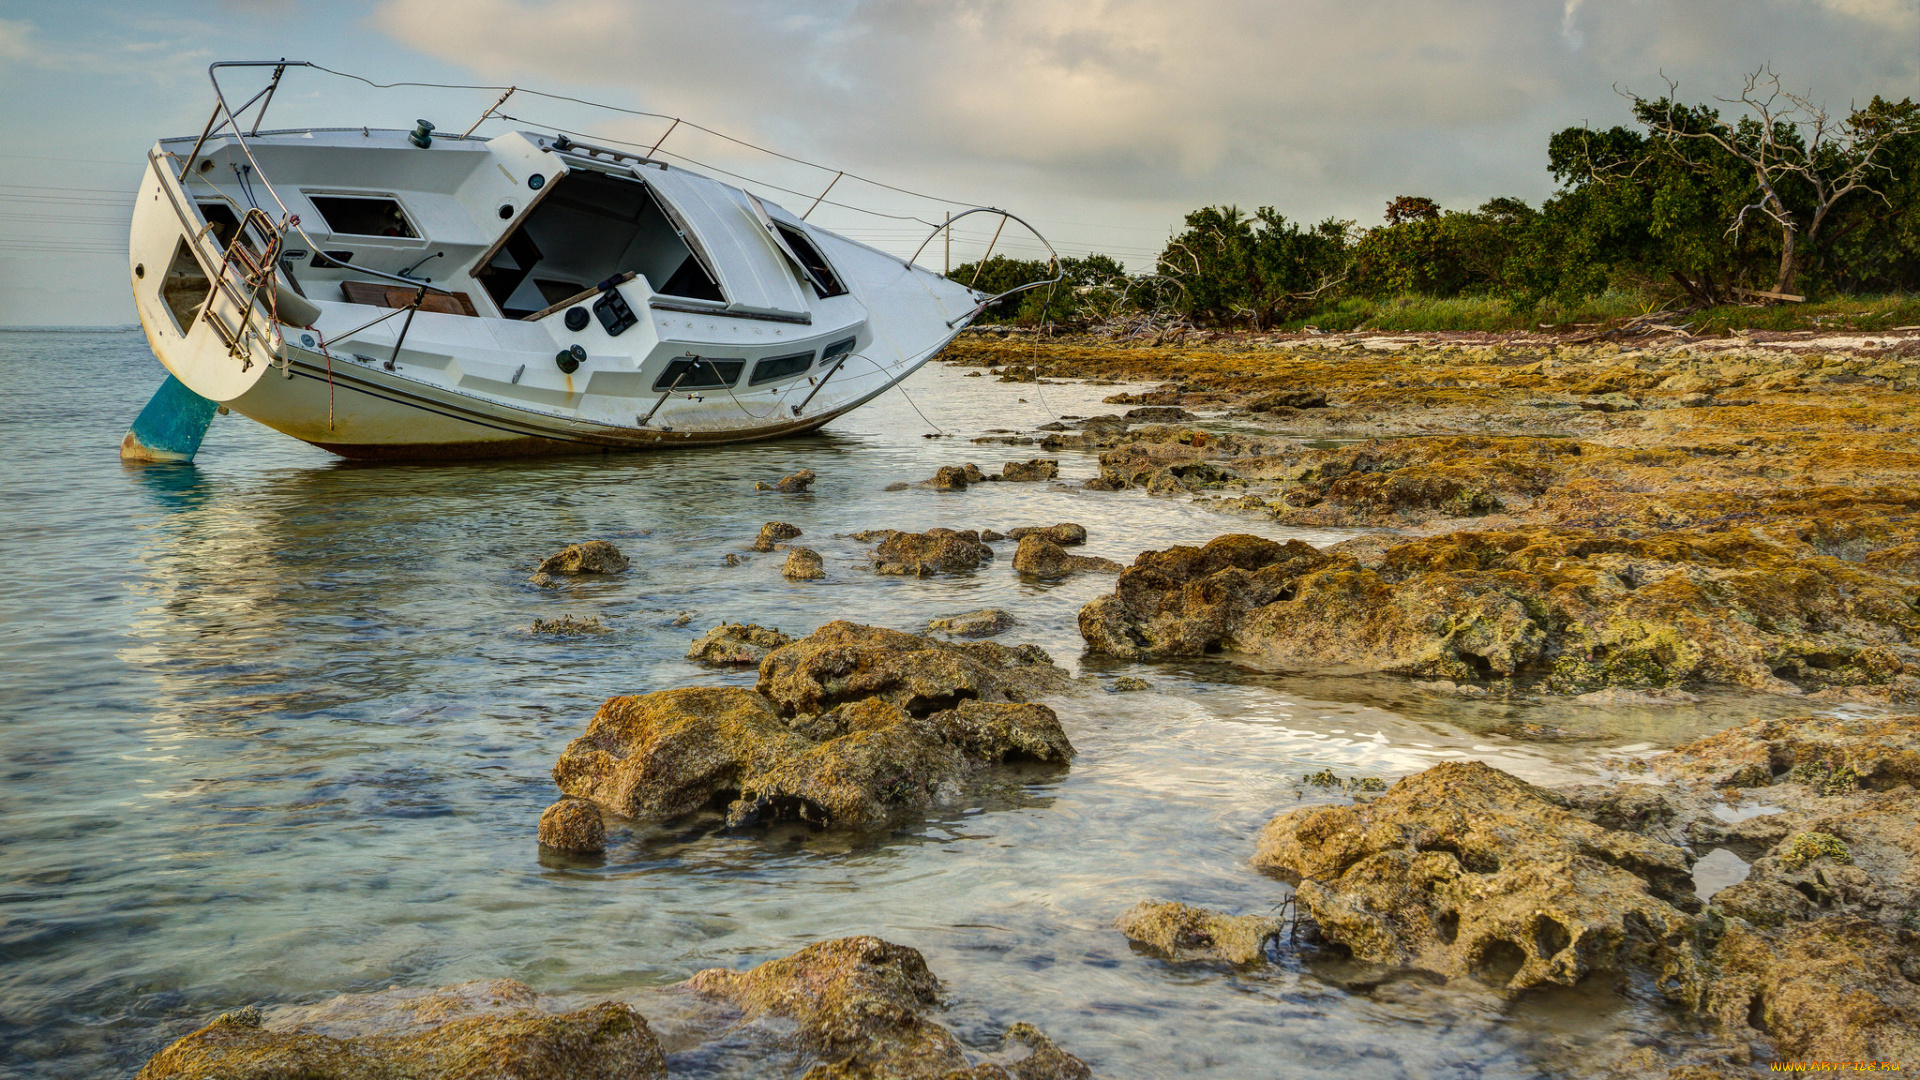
{"x": 753, "y": 273}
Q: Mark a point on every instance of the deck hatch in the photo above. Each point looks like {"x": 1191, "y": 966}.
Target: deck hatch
{"x": 364, "y": 215}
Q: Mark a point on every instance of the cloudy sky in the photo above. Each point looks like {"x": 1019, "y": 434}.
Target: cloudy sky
{"x": 1103, "y": 121}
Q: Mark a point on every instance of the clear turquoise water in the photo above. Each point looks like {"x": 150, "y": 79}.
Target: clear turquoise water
{"x": 272, "y": 729}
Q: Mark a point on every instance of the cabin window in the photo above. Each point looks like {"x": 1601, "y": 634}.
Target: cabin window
{"x": 185, "y": 287}
{"x": 586, "y": 228}
{"x": 780, "y": 367}
{"x": 363, "y": 215}
{"x": 839, "y": 349}
{"x": 699, "y": 373}
{"x": 825, "y": 282}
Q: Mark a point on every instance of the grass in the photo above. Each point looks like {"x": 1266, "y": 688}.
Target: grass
{"x": 1413, "y": 313}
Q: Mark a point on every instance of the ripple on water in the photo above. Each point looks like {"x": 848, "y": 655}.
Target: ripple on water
{"x": 275, "y": 730}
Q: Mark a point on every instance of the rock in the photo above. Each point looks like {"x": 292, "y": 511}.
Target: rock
{"x": 608, "y": 1041}
{"x": 734, "y": 643}
{"x": 798, "y": 482}
{"x": 1158, "y": 414}
{"x": 974, "y": 475}
{"x": 887, "y": 766}
{"x": 1002, "y": 731}
{"x": 1877, "y": 753}
{"x": 1128, "y": 684}
{"x": 863, "y": 1004}
{"x": 573, "y": 825}
{"x": 1103, "y": 425}
{"x": 661, "y": 755}
{"x": 1838, "y": 988}
{"x": 949, "y": 478}
{"x": 1609, "y": 403}
{"x": 844, "y": 662}
{"x": 1066, "y": 534}
{"x": 568, "y": 626}
{"x": 1041, "y": 557}
{"x": 897, "y": 485}
{"x": 1053, "y": 425}
{"x": 936, "y": 551}
{"x": 1033, "y": 469}
{"x": 1613, "y": 695}
{"x": 1288, "y": 399}
{"x": 772, "y": 532}
{"x": 983, "y": 623}
{"x": 1190, "y": 601}
{"x": 592, "y": 557}
{"x": 988, "y": 536}
{"x": 1585, "y": 610}
{"x": 804, "y": 564}
{"x": 1466, "y": 870}
{"x": 1183, "y": 932}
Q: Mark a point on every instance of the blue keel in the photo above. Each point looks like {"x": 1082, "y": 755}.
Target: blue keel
{"x": 170, "y": 428}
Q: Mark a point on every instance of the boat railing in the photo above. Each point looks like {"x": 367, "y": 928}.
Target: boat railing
{"x": 1053, "y": 261}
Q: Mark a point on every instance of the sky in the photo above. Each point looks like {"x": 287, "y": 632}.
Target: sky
{"x": 1102, "y": 122}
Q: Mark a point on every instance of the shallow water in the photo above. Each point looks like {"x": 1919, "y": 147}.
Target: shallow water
{"x": 272, "y": 729}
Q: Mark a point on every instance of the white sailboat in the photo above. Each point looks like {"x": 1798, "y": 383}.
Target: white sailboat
{"x": 406, "y": 294}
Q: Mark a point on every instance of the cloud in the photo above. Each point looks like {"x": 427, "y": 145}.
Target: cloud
{"x": 15, "y": 40}
{"x": 1147, "y": 107}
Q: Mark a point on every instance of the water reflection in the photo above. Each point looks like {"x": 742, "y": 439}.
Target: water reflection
{"x": 274, "y": 728}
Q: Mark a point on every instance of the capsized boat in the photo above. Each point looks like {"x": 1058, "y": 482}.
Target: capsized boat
{"x": 409, "y": 294}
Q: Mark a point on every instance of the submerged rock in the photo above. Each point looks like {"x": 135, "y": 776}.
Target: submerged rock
{"x": 1128, "y": 684}
{"x": 794, "y": 484}
{"x": 1033, "y": 469}
{"x": 1466, "y": 870}
{"x": 608, "y": 1041}
{"x": 1066, "y": 534}
{"x": 573, "y": 825}
{"x": 773, "y": 532}
{"x": 803, "y": 564}
{"x": 983, "y": 623}
{"x": 1613, "y": 695}
{"x": 1038, "y": 556}
{"x": 592, "y": 557}
{"x": 569, "y": 626}
{"x": 736, "y": 643}
{"x": 1183, "y": 932}
{"x": 862, "y": 1005}
{"x": 936, "y": 551}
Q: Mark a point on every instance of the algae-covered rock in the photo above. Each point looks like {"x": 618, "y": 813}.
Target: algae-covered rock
{"x": 570, "y": 626}
{"x": 592, "y": 557}
{"x": 936, "y": 551}
{"x": 1466, "y": 870}
{"x": 573, "y": 825}
{"x": 1066, "y": 533}
{"x": 792, "y": 485}
{"x": 803, "y": 564}
{"x": 862, "y": 1007}
{"x": 1880, "y": 753}
{"x": 983, "y": 623}
{"x": 949, "y": 478}
{"x": 1002, "y": 731}
{"x": 1183, "y": 932}
{"x": 890, "y": 766}
{"x": 1839, "y": 988}
{"x": 1190, "y": 601}
{"x": 665, "y": 754}
{"x": 736, "y": 643}
{"x": 1040, "y": 557}
{"x": 843, "y": 661}
{"x": 1030, "y": 470}
{"x": 772, "y": 533}
{"x": 608, "y": 1041}
{"x": 1288, "y": 399}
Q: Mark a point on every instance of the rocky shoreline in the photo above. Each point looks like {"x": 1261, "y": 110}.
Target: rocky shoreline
{"x": 1543, "y": 518}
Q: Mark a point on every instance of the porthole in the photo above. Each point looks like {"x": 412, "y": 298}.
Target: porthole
{"x": 536, "y": 181}
{"x": 139, "y": 270}
{"x": 506, "y": 211}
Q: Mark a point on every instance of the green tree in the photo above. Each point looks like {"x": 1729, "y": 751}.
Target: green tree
{"x": 1229, "y": 267}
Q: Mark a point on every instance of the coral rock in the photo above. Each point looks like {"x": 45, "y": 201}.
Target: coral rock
{"x": 794, "y": 484}
{"x": 664, "y": 754}
{"x": 1040, "y": 557}
{"x": 1189, "y": 601}
{"x": 736, "y": 643}
{"x": 573, "y": 825}
{"x": 1066, "y": 534}
{"x": 773, "y": 532}
{"x": 804, "y": 564}
{"x": 1834, "y": 989}
{"x": 1001, "y": 731}
{"x": 1463, "y": 869}
{"x": 1034, "y": 469}
{"x": 843, "y": 662}
{"x": 983, "y": 623}
{"x": 592, "y": 557}
{"x": 1288, "y": 399}
{"x": 1183, "y": 932}
{"x": 936, "y": 551}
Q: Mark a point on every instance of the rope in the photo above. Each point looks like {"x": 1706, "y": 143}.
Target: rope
{"x": 901, "y": 386}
